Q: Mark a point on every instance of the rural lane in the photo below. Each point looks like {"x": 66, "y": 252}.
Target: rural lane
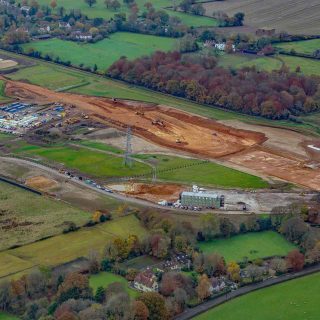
{"x": 81, "y": 183}
{"x": 192, "y": 312}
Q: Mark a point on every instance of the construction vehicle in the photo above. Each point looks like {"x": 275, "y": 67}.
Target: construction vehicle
{"x": 178, "y": 141}
{"x": 139, "y": 113}
{"x": 158, "y": 122}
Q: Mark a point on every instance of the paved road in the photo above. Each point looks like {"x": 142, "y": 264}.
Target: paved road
{"x": 192, "y": 312}
{"x": 81, "y": 183}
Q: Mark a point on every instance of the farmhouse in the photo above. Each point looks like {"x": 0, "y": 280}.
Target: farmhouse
{"x": 146, "y": 281}
{"x": 81, "y": 36}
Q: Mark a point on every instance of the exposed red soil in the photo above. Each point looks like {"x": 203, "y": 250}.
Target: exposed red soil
{"x": 194, "y": 134}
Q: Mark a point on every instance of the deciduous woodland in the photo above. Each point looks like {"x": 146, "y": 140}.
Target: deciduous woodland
{"x": 276, "y": 95}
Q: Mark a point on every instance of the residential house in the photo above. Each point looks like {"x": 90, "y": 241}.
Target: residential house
{"x": 146, "y": 281}
{"x": 64, "y": 25}
{"x": 25, "y": 9}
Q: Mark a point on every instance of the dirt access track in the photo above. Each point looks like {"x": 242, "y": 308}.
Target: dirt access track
{"x": 196, "y": 135}
{"x": 161, "y": 125}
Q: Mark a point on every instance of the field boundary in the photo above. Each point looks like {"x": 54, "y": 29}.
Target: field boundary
{"x": 190, "y": 313}
{"x": 16, "y": 184}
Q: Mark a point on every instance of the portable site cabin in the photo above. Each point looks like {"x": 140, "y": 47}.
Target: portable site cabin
{"x": 200, "y": 199}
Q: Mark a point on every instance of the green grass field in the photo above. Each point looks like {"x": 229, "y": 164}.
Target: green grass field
{"x": 307, "y": 47}
{"x": 308, "y": 66}
{"x": 210, "y": 174}
{"x": 240, "y": 61}
{"x": 50, "y": 76}
{"x": 95, "y": 164}
{"x": 6, "y": 316}
{"x": 100, "y": 146}
{"x": 104, "y": 279}
{"x": 104, "y": 52}
{"x": 99, "y": 10}
{"x": 295, "y": 299}
{"x": 35, "y": 216}
{"x": 251, "y": 245}
{"x": 67, "y": 247}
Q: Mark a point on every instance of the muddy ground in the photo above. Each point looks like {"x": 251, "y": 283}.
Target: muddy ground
{"x": 263, "y": 150}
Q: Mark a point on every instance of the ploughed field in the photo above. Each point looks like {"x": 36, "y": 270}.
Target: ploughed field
{"x": 293, "y": 16}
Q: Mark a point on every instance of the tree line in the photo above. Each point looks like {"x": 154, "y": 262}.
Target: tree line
{"x": 276, "y": 95}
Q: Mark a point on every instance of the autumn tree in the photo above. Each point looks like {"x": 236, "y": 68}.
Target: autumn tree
{"x": 295, "y": 260}
{"x": 213, "y": 264}
{"x": 203, "y": 288}
{"x": 53, "y": 4}
{"x": 233, "y": 271}
{"x": 254, "y": 272}
{"x": 140, "y": 311}
{"x": 210, "y": 226}
{"x": 155, "y": 304}
{"x": 74, "y": 286}
{"x": 278, "y": 265}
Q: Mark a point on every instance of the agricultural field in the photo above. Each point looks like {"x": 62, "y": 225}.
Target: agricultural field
{"x": 283, "y": 301}
{"x": 67, "y": 247}
{"x": 204, "y": 173}
{"x": 95, "y": 164}
{"x": 292, "y": 16}
{"x": 104, "y": 52}
{"x": 251, "y": 245}
{"x": 27, "y": 217}
{"x": 306, "y": 47}
{"x": 104, "y": 279}
{"x": 99, "y": 10}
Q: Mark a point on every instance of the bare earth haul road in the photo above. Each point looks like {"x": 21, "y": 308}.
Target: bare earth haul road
{"x": 180, "y": 131}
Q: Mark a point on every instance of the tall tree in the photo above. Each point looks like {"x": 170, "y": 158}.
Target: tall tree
{"x": 90, "y": 3}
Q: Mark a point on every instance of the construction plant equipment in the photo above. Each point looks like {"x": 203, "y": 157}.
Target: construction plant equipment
{"x": 158, "y": 122}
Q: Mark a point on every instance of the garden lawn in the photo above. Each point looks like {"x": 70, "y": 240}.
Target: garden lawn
{"x": 37, "y": 216}
{"x": 99, "y": 10}
{"x": 306, "y": 47}
{"x": 204, "y": 173}
{"x": 104, "y": 52}
{"x": 252, "y": 245}
{"x": 68, "y": 247}
{"x": 294, "y": 299}
{"x": 104, "y": 279}
{"x": 7, "y": 316}
{"x": 96, "y": 164}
